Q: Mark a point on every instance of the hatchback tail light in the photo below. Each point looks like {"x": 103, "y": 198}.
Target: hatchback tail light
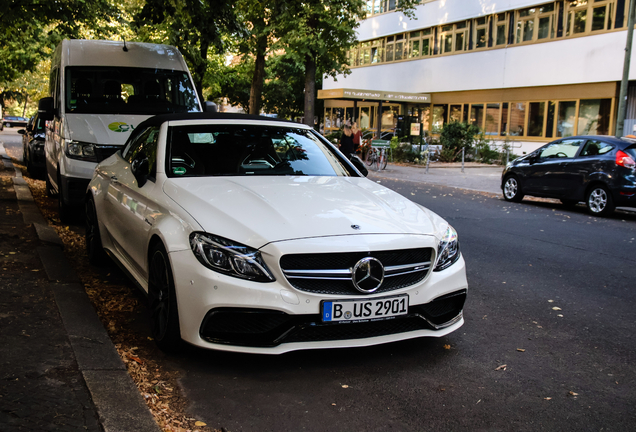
{"x": 624, "y": 160}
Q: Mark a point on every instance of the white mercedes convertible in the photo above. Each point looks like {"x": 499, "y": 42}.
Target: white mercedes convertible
{"x": 257, "y": 235}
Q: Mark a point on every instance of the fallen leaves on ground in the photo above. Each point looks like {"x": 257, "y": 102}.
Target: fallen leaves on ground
{"x": 118, "y": 303}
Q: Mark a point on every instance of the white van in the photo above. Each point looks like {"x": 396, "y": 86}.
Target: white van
{"x": 100, "y": 90}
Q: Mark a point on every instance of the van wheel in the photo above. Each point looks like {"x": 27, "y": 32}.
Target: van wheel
{"x": 162, "y": 301}
{"x": 66, "y": 211}
{"x": 599, "y": 201}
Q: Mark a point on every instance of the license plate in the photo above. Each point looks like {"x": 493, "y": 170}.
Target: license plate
{"x": 365, "y": 310}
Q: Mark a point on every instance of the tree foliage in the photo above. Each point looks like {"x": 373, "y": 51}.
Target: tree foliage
{"x": 30, "y": 29}
{"x": 197, "y": 28}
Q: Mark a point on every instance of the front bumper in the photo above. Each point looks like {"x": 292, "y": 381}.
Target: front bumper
{"x": 230, "y": 314}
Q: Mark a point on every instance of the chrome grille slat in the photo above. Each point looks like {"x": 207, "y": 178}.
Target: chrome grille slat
{"x": 330, "y": 273}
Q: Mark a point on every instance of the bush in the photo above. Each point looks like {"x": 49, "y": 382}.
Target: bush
{"x": 454, "y": 137}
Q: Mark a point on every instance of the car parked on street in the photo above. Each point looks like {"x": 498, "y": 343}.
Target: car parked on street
{"x": 33, "y": 137}
{"x": 11, "y": 121}
{"x": 257, "y": 235}
{"x": 599, "y": 170}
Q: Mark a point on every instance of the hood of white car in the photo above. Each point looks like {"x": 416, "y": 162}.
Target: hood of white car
{"x": 260, "y": 210}
{"x": 109, "y": 129}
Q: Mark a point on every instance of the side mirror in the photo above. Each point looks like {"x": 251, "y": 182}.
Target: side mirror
{"x": 357, "y": 162}
{"x": 46, "y": 108}
{"x": 140, "y": 169}
{"x": 22, "y": 131}
{"x": 210, "y": 107}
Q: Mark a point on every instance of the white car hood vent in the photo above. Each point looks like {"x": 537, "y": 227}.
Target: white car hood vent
{"x": 259, "y": 210}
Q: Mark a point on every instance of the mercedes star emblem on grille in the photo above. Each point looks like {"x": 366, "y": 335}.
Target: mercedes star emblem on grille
{"x": 367, "y": 275}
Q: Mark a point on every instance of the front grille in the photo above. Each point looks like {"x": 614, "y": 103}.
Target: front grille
{"x": 269, "y": 328}
{"x": 104, "y": 151}
{"x": 330, "y": 273}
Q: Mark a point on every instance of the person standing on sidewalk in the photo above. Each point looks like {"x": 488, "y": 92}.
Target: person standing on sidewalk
{"x": 357, "y": 135}
{"x": 346, "y": 141}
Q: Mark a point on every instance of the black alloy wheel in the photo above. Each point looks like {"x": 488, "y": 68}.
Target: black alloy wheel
{"x": 162, "y": 301}
{"x": 599, "y": 201}
{"x": 512, "y": 189}
{"x": 370, "y": 157}
{"x": 94, "y": 248}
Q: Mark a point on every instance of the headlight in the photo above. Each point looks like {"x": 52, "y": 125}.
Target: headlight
{"x": 81, "y": 150}
{"x": 448, "y": 250}
{"x": 230, "y": 258}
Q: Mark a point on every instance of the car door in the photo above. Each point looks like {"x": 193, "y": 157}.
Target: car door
{"x": 129, "y": 206}
{"x": 548, "y": 173}
{"x": 590, "y": 160}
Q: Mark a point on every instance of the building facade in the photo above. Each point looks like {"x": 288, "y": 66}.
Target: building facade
{"x": 525, "y": 71}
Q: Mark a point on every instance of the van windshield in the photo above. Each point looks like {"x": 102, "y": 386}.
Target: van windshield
{"x": 128, "y": 90}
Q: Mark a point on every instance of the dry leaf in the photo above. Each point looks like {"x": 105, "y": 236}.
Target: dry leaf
{"x": 548, "y": 398}
{"x": 501, "y": 367}
{"x": 573, "y": 394}
{"x": 521, "y": 350}
{"x": 447, "y": 347}
{"x": 200, "y": 423}
{"x": 345, "y": 386}
{"x": 556, "y": 308}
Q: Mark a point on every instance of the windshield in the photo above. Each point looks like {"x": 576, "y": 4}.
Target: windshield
{"x": 128, "y": 90}
{"x": 250, "y": 150}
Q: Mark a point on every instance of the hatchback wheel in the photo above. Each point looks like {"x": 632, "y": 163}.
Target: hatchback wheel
{"x": 599, "y": 201}
{"x": 512, "y": 189}
{"x": 162, "y": 300}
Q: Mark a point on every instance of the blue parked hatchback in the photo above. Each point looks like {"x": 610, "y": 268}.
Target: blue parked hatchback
{"x": 599, "y": 170}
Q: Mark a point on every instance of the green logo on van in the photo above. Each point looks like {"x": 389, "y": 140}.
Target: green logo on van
{"x": 120, "y": 127}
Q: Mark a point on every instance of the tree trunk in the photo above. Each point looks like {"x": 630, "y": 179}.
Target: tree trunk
{"x": 199, "y": 71}
{"x": 26, "y": 99}
{"x": 310, "y": 90}
{"x": 257, "y": 84}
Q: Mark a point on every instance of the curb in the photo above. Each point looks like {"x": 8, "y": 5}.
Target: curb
{"x": 119, "y": 404}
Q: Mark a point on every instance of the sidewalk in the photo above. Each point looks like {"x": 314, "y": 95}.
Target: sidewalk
{"x": 478, "y": 177}
{"x": 59, "y": 370}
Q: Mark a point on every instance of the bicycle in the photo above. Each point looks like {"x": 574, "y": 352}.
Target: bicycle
{"x": 377, "y": 158}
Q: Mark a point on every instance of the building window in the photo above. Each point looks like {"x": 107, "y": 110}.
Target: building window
{"x": 439, "y": 117}
{"x": 455, "y": 114}
{"x": 577, "y": 17}
{"x": 481, "y": 32}
{"x": 566, "y": 118}
{"x": 536, "y": 114}
{"x": 517, "y": 118}
{"x": 501, "y": 29}
{"x": 492, "y": 119}
{"x": 477, "y": 115}
{"x": 594, "y": 117}
{"x": 504, "y": 119}
{"x": 453, "y": 37}
{"x": 399, "y": 47}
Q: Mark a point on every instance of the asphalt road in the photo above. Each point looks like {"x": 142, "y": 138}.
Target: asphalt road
{"x": 517, "y": 363}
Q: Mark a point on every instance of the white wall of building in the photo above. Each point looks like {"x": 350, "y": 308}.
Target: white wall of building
{"x": 435, "y": 13}
{"x": 588, "y": 59}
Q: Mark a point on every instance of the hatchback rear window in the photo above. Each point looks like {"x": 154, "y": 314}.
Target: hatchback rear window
{"x": 631, "y": 150}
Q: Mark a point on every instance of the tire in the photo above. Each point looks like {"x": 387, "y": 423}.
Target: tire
{"x": 383, "y": 161}
{"x": 94, "y": 248}
{"x": 162, "y": 302}
{"x": 369, "y": 159}
{"x": 29, "y": 165}
{"x": 65, "y": 210}
{"x": 599, "y": 201}
{"x": 49, "y": 187}
{"x": 512, "y": 189}
{"x": 569, "y": 202}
